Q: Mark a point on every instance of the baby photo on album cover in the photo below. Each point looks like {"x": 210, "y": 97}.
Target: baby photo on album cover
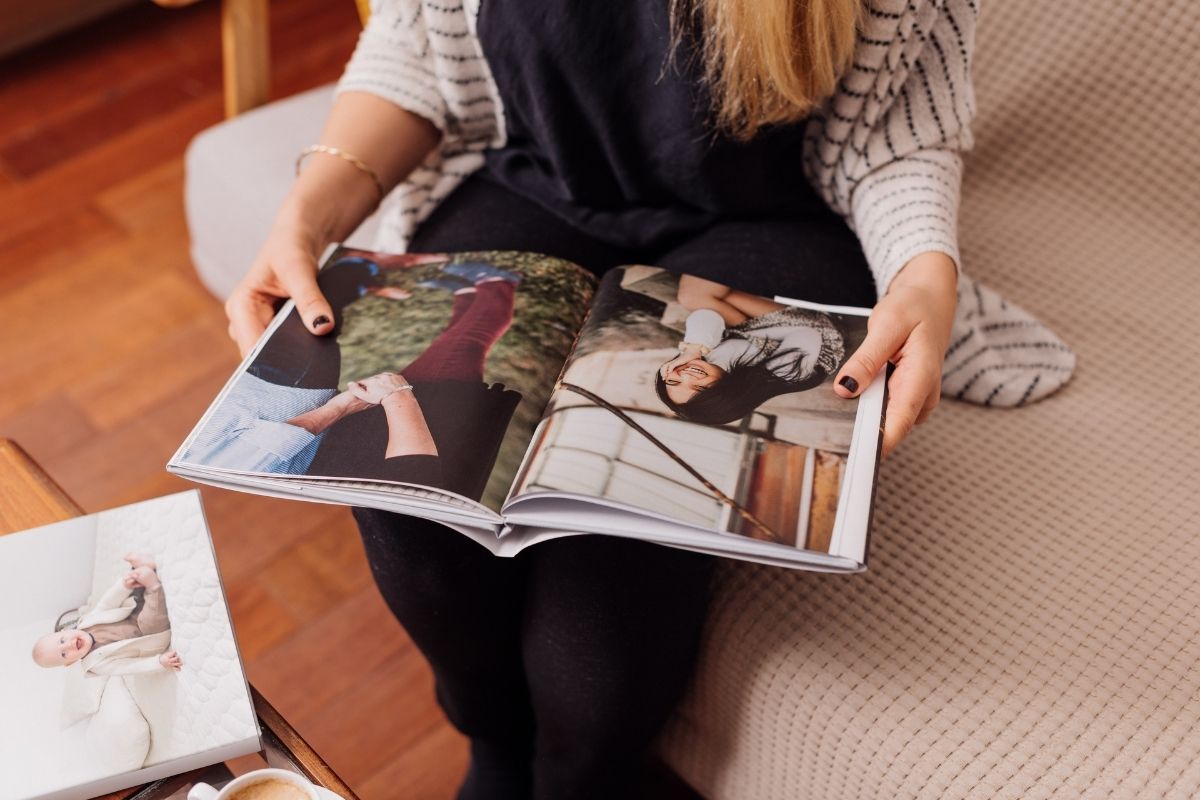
{"x": 117, "y": 651}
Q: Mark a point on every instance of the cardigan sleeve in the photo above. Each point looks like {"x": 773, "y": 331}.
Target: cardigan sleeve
{"x": 392, "y": 61}
{"x": 893, "y": 169}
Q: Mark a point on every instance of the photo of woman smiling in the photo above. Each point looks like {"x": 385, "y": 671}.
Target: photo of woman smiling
{"x": 740, "y": 350}
{"x": 707, "y": 404}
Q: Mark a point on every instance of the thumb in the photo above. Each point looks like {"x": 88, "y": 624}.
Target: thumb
{"x": 298, "y": 276}
{"x": 885, "y": 335}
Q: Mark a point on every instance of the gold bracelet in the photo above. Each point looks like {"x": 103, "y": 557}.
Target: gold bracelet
{"x": 347, "y": 157}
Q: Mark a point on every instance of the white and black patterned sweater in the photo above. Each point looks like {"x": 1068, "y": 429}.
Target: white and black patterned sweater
{"x": 883, "y": 152}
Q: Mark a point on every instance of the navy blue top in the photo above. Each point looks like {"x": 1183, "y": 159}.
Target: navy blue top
{"x": 606, "y": 134}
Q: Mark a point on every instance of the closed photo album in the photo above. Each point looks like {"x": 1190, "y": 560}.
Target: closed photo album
{"x": 118, "y": 658}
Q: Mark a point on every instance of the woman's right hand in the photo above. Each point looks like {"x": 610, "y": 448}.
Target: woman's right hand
{"x": 329, "y": 199}
{"x": 285, "y": 267}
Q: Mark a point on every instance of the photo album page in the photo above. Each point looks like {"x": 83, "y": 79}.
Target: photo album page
{"x": 423, "y": 399}
{"x": 698, "y": 409}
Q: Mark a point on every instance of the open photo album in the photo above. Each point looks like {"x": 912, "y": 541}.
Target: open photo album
{"x": 514, "y": 398}
{"x": 119, "y": 661}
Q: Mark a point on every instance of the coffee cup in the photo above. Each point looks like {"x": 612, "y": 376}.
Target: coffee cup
{"x": 262, "y": 784}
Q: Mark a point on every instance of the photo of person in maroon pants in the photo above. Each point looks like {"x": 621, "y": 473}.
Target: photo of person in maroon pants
{"x": 435, "y": 422}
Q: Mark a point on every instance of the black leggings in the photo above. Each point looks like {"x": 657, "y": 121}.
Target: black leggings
{"x": 563, "y": 663}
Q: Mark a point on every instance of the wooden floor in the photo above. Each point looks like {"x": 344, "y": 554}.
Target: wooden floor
{"x": 110, "y": 349}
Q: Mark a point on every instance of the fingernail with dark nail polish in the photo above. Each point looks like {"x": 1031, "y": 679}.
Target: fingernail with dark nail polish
{"x": 850, "y": 384}
{"x": 319, "y": 321}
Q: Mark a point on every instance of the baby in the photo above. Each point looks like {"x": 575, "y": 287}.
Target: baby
{"x": 125, "y": 632}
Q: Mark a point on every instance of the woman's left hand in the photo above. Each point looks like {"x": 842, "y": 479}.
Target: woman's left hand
{"x": 910, "y": 326}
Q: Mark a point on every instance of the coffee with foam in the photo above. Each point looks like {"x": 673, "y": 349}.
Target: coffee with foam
{"x": 270, "y": 789}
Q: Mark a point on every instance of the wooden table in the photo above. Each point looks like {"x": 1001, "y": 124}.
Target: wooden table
{"x": 29, "y": 498}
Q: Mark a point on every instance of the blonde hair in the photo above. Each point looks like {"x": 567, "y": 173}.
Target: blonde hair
{"x": 768, "y": 62}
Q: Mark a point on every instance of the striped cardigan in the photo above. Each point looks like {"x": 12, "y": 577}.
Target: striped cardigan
{"x": 882, "y": 152}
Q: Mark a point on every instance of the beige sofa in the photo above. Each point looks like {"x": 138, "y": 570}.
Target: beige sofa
{"x": 1028, "y": 627}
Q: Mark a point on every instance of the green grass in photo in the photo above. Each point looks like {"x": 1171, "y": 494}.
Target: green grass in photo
{"x": 380, "y": 334}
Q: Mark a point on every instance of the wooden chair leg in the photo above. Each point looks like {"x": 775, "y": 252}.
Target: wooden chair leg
{"x": 245, "y": 46}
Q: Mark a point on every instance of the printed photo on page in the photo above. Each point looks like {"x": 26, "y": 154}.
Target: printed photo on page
{"x": 704, "y": 404}
{"x": 436, "y": 375}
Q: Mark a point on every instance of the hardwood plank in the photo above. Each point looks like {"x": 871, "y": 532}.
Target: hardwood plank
{"x": 372, "y": 723}
{"x": 56, "y": 303}
{"x": 430, "y": 770}
{"x": 24, "y": 24}
{"x": 260, "y": 622}
{"x": 105, "y": 77}
{"x": 316, "y": 44}
{"x": 84, "y": 67}
{"x": 54, "y": 247}
{"x": 48, "y": 427}
{"x": 134, "y": 469}
{"x": 130, "y": 390}
{"x": 99, "y": 276}
{"x": 69, "y": 185}
{"x": 350, "y": 642}
{"x": 87, "y": 273}
{"x": 57, "y": 139}
{"x": 147, "y": 200}
{"x": 253, "y": 531}
{"x": 122, "y": 467}
{"x": 318, "y": 572}
{"x": 124, "y": 327}
{"x": 7, "y": 176}
{"x": 126, "y": 464}
{"x": 29, "y": 498}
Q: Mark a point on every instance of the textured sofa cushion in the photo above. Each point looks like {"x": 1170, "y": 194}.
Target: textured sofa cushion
{"x": 1028, "y": 626}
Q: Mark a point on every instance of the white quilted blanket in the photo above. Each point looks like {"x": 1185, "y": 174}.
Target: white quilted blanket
{"x": 207, "y": 704}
